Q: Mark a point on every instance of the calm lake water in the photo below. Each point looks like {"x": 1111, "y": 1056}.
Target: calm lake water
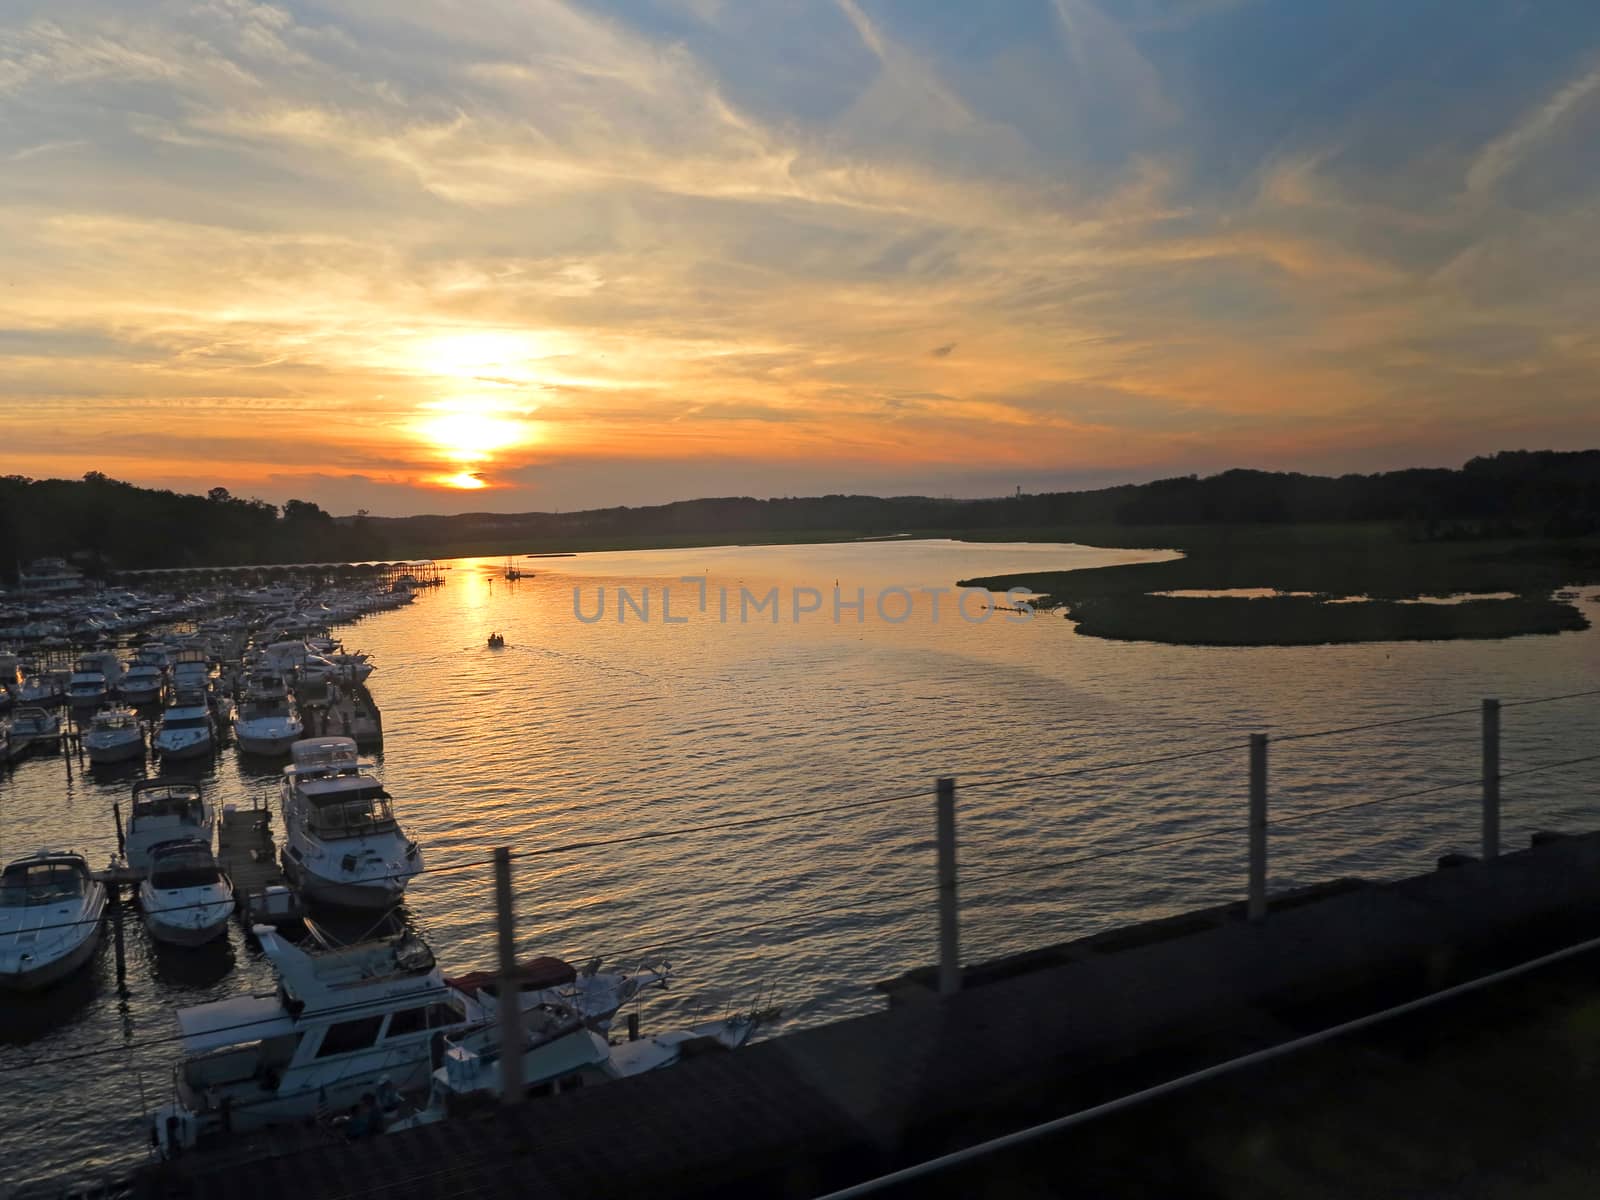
{"x": 580, "y": 731}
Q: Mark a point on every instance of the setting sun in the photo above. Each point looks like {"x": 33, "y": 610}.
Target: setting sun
{"x": 464, "y": 480}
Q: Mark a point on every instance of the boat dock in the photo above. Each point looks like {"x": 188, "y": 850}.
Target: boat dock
{"x": 248, "y": 855}
{"x": 1037, "y": 1035}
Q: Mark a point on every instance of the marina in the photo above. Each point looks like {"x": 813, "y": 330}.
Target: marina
{"x": 819, "y": 940}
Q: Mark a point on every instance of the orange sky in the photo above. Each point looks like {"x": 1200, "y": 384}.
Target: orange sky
{"x": 562, "y": 256}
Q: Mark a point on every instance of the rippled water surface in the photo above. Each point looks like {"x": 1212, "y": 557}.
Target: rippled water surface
{"x": 591, "y": 732}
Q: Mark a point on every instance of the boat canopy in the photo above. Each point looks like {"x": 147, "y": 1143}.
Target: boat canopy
{"x": 42, "y": 880}
{"x": 158, "y": 798}
{"x": 232, "y": 1022}
{"x": 183, "y": 863}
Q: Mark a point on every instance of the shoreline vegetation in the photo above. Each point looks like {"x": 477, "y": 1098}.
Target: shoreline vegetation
{"x": 1329, "y": 565}
{"x": 1520, "y": 522}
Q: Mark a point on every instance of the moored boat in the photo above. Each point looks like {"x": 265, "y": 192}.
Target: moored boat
{"x": 185, "y": 730}
{"x": 164, "y": 810}
{"x": 338, "y": 1022}
{"x": 34, "y": 729}
{"x": 50, "y": 911}
{"x": 342, "y": 844}
{"x": 185, "y": 898}
{"x": 114, "y": 735}
{"x": 266, "y": 721}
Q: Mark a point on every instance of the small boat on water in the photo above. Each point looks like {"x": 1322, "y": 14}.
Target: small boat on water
{"x": 93, "y": 680}
{"x": 496, "y": 641}
{"x": 185, "y": 899}
{"x": 266, "y": 722}
{"x": 561, "y": 1056}
{"x": 163, "y": 810}
{"x": 342, "y": 844}
{"x": 45, "y": 689}
{"x": 50, "y": 911}
{"x": 34, "y": 729}
{"x": 114, "y": 735}
{"x": 142, "y": 683}
{"x": 186, "y": 730}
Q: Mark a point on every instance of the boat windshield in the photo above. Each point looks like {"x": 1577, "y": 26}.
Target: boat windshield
{"x": 184, "y": 869}
{"x": 352, "y": 813}
{"x": 183, "y": 723}
{"x": 25, "y": 884}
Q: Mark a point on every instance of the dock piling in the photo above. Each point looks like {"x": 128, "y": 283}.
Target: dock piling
{"x": 1257, "y": 909}
{"x": 1491, "y": 779}
{"x": 510, "y": 1007}
{"x": 945, "y": 828}
{"x": 116, "y": 936}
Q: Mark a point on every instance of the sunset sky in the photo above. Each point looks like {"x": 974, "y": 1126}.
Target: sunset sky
{"x": 440, "y": 256}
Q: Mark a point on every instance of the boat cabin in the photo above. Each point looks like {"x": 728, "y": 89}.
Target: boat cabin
{"x": 43, "y": 879}
{"x": 154, "y": 799}
{"x": 182, "y": 863}
{"x": 346, "y": 806}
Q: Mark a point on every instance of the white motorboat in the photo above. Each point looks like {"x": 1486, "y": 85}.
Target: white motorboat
{"x": 267, "y": 721}
{"x": 42, "y": 689}
{"x": 93, "y": 680}
{"x": 339, "y": 1021}
{"x": 342, "y": 844}
{"x": 142, "y": 683}
{"x": 352, "y": 668}
{"x": 186, "y": 900}
{"x": 50, "y": 912}
{"x": 34, "y": 729}
{"x": 559, "y": 1058}
{"x": 186, "y": 730}
{"x": 114, "y": 735}
{"x": 548, "y": 980}
{"x": 163, "y": 810}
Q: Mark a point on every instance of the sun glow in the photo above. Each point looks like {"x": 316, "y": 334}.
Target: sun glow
{"x": 463, "y": 480}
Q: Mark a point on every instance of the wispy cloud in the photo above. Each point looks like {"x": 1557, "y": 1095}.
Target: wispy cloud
{"x": 556, "y": 237}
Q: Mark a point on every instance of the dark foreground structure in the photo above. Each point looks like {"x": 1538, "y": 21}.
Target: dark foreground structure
{"x": 1493, "y": 1094}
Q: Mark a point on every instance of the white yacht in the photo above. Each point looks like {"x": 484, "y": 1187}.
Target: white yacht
{"x": 339, "y": 1021}
{"x": 342, "y": 844}
{"x": 93, "y": 680}
{"x": 50, "y": 912}
{"x": 142, "y": 683}
{"x": 43, "y": 689}
{"x": 185, "y": 899}
{"x": 114, "y": 735}
{"x": 163, "y": 811}
{"x": 560, "y": 1056}
{"x": 185, "y": 730}
{"x": 34, "y": 728}
{"x": 267, "y": 721}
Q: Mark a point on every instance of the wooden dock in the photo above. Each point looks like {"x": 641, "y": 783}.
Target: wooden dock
{"x": 247, "y": 853}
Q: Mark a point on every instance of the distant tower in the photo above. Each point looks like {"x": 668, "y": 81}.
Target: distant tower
{"x": 1019, "y": 491}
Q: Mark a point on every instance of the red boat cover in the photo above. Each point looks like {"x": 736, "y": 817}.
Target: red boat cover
{"x": 534, "y": 974}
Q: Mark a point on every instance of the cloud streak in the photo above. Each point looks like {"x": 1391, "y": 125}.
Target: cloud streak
{"x": 579, "y": 238}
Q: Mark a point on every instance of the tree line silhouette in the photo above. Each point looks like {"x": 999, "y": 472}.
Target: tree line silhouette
{"x": 108, "y": 523}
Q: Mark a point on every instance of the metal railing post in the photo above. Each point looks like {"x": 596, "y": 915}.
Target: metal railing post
{"x": 1257, "y": 907}
{"x": 945, "y": 832}
{"x": 509, "y": 1000}
{"x": 1491, "y": 779}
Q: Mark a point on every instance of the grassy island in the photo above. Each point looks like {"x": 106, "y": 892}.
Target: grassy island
{"x": 1327, "y": 564}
